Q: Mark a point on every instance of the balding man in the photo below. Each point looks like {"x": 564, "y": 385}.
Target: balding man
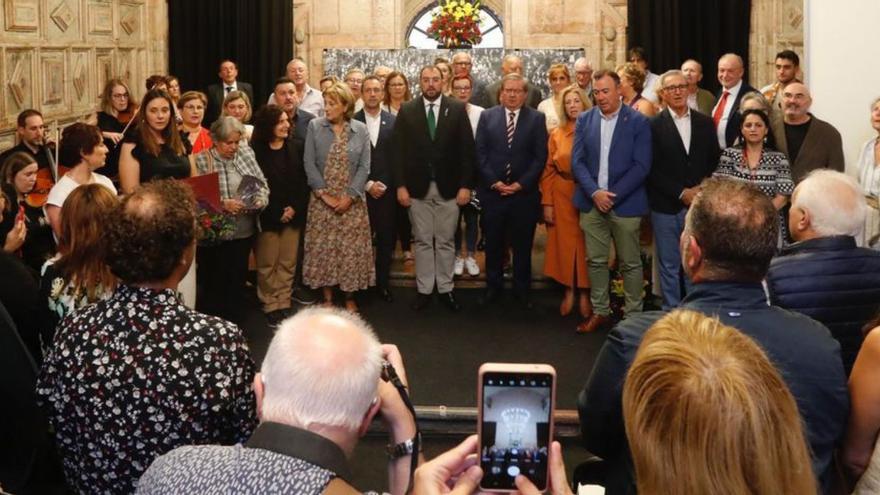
{"x": 698, "y": 98}
{"x": 726, "y": 112}
{"x": 824, "y": 275}
{"x": 317, "y": 392}
{"x": 513, "y": 64}
{"x": 810, "y": 143}
{"x": 461, "y": 67}
{"x": 309, "y": 98}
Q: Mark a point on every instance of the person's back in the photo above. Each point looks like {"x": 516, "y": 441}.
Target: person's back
{"x": 706, "y": 412}
{"x": 824, "y": 275}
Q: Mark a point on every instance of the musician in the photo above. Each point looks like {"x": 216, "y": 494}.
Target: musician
{"x": 32, "y": 237}
{"x": 118, "y": 107}
{"x": 32, "y": 139}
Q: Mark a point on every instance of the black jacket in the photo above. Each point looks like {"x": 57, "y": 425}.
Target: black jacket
{"x": 801, "y": 349}
{"x": 216, "y": 94}
{"x": 734, "y": 120}
{"x": 832, "y": 281}
{"x": 380, "y": 155}
{"x": 287, "y": 185}
{"x": 450, "y": 155}
{"x": 674, "y": 168}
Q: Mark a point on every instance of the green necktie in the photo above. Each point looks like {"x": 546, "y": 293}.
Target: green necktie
{"x": 432, "y": 121}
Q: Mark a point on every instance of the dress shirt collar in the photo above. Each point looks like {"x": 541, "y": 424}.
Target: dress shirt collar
{"x": 734, "y": 90}
{"x": 301, "y": 444}
{"x": 675, "y": 116}
{"x": 436, "y": 104}
{"x": 614, "y": 115}
{"x": 234, "y": 86}
{"x": 741, "y": 295}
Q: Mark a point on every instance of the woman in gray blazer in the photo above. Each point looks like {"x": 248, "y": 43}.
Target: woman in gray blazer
{"x": 338, "y": 247}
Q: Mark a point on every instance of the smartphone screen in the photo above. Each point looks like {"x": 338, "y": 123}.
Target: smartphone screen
{"x": 517, "y": 409}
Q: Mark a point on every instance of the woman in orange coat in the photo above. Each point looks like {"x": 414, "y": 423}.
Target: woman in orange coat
{"x": 566, "y": 256}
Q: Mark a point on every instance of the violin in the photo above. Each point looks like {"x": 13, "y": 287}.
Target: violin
{"x": 40, "y": 193}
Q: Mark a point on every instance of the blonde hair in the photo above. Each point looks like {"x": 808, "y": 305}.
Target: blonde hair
{"x": 558, "y": 69}
{"x": 341, "y": 93}
{"x": 635, "y": 75}
{"x": 560, "y": 102}
{"x": 237, "y": 95}
{"x": 706, "y": 412}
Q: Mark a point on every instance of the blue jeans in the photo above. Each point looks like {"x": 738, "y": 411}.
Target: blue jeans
{"x": 667, "y": 232}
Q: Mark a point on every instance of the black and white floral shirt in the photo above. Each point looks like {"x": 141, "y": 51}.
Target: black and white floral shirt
{"x": 137, "y": 375}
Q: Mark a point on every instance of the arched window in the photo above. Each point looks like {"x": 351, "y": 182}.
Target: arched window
{"x": 490, "y": 26}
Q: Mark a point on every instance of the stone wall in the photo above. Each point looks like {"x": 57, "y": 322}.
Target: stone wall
{"x": 55, "y": 55}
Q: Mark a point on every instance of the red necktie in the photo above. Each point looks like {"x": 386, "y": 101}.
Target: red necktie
{"x": 719, "y": 110}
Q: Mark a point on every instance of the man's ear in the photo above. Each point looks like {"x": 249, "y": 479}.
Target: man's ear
{"x": 368, "y": 417}
{"x": 806, "y": 220}
{"x": 694, "y": 253}
{"x": 259, "y": 391}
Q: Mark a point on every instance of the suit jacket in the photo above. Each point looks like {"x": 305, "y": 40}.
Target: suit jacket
{"x": 380, "y": 155}
{"x": 527, "y": 155}
{"x": 673, "y": 168}
{"x": 216, "y": 95}
{"x": 705, "y": 101}
{"x": 533, "y": 99}
{"x": 734, "y": 120}
{"x": 822, "y": 148}
{"x": 450, "y": 155}
{"x": 629, "y": 160}
{"x": 479, "y": 96}
{"x": 301, "y": 123}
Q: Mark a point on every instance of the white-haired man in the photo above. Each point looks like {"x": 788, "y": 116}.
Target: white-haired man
{"x": 824, "y": 275}
{"x": 317, "y": 393}
{"x": 308, "y": 98}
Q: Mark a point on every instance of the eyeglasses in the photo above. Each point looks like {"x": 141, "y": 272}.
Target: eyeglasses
{"x": 513, "y": 90}
{"x": 119, "y": 95}
{"x": 679, "y": 87}
{"x": 396, "y": 85}
{"x": 461, "y": 88}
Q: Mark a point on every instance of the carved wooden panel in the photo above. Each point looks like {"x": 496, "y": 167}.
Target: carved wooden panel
{"x": 22, "y": 16}
{"x": 130, "y": 22}
{"x": 124, "y": 59}
{"x": 19, "y": 80}
{"x": 105, "y": 69}
{"x": 83, "y": 94}
{"x": 53, "y": 90}
{"x": 63, "y": 22}
{"x": 100, "y": 18}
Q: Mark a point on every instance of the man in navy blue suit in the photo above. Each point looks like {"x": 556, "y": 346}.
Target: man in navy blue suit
{"x": 511, "y": 153}
{"x": 611, "y": 159}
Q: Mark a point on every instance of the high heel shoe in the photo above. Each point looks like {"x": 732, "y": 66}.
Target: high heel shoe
{"x": 567, "y": 303}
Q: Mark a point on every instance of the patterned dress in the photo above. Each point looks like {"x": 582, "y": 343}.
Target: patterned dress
{"x": 338, "y": 249}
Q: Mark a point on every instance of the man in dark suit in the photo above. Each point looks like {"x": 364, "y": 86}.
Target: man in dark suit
{"x": 610, "y": 160}
{"x": 380, "y": 186}
{"x": 511, "y": 153}
{"x": 513, "y": 64}
{"x": 433, "y": 171}
{"x": 725, "y": 114}
{"x": 228, "y": 74}
{"x": 685, "y": 152}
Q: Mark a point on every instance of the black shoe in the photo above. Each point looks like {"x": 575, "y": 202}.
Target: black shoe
{"x": 384, "y": 293}
{"x": 491, "y": 296}
{"x": 421, "y": 302}
{"x": 448, "y": 300}
{"x": 304, "y": 296}
{"x": 523, "y": 301}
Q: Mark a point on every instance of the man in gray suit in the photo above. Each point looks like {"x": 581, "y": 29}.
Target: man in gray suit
{"x": 810, "y": 143}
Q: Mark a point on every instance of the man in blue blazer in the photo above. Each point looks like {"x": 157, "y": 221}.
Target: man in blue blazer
{"x": 511, "y": 153}
{"x": 380, "y": 186}
{"x": 611, "y": 159}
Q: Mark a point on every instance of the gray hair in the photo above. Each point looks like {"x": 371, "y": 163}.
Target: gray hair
{"x": 834, "y": 200}
{"x": 583, "y": 61}
{"x": 224, "y": 127}
{"x": 322, "y": 368}
{"x": 757, "y": 97}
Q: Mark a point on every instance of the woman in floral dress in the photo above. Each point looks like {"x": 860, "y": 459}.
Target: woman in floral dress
{"x": 338, "y": 249}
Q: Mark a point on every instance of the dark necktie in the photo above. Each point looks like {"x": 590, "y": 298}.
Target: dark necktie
{"x": 432, "y": 121}
{"x": 228, "y": 89}
{"x": 511, "y": 128}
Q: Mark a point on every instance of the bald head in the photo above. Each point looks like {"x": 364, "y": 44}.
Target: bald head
{"x": 322, "y": 368}
{"x": 826, "y": 203}
{"x": 796, "y": 103}
{"x": 730, "y": 70}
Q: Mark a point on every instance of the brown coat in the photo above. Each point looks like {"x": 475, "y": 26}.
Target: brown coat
{"x": 566, "y": 254}
{"x": 822, "y": 148}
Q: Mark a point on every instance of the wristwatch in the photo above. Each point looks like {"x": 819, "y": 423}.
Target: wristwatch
{"x": 403, "y": 448}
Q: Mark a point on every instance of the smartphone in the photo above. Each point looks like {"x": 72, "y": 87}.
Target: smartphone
{"x": 515, "y": 403}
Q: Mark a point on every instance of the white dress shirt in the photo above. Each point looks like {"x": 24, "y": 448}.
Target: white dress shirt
{"x": 436, "y": 104}
{"x": 373, "y": 125}
{"x": 234, "y": 87}
{"x": 606, "y": 131}
{"x": 683, "y": 124}
{"x": 725, "y": 116}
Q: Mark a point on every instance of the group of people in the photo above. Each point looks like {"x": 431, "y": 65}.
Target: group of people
{"x": 745, "y": 195}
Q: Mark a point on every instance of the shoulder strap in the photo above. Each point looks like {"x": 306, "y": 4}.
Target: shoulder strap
{"x": 338, "y": 486}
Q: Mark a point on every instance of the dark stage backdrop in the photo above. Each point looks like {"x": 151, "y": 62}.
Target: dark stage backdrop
{"x": 256, "y": 34}
{"x": 672, "y": 31}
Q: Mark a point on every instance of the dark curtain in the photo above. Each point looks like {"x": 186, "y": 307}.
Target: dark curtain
{"x": 672, "y": 31}
{"x": 256, "y": 34}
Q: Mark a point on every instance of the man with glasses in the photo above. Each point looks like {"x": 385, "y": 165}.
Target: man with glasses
{"x": 461, "y": 66}
{"x": 433, "y": 157}
{"x": 685, "y": 152}
{"x": 355, "y": 80}
{"x": 513, "y": 64}
{"x": 810, "y": 143}
{"x": 583, "y": 75}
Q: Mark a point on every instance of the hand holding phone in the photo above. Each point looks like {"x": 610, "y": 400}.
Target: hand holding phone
{"x": 516, "y": 403}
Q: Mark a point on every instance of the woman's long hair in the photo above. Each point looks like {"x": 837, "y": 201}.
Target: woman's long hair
{"x": 706, "y": 412}
{"x": 169, "y": 133}
{"x": 80, "y": 246}
{"x": 107, "y": 97}
{"x": 406, "y": 97}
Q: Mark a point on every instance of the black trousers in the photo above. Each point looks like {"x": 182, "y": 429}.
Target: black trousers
{"x": 382, "y": 220}
{"x": 221, "y": 274}
{"x": 510, "y": 221}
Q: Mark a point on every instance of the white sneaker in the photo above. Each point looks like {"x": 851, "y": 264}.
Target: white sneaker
{"x": 459, "y": 266}
{"x": 473, "y": 268}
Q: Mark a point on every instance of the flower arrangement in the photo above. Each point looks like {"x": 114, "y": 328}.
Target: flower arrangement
{"x": 456, "y": 23}
{"x": 213, "y": 227}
